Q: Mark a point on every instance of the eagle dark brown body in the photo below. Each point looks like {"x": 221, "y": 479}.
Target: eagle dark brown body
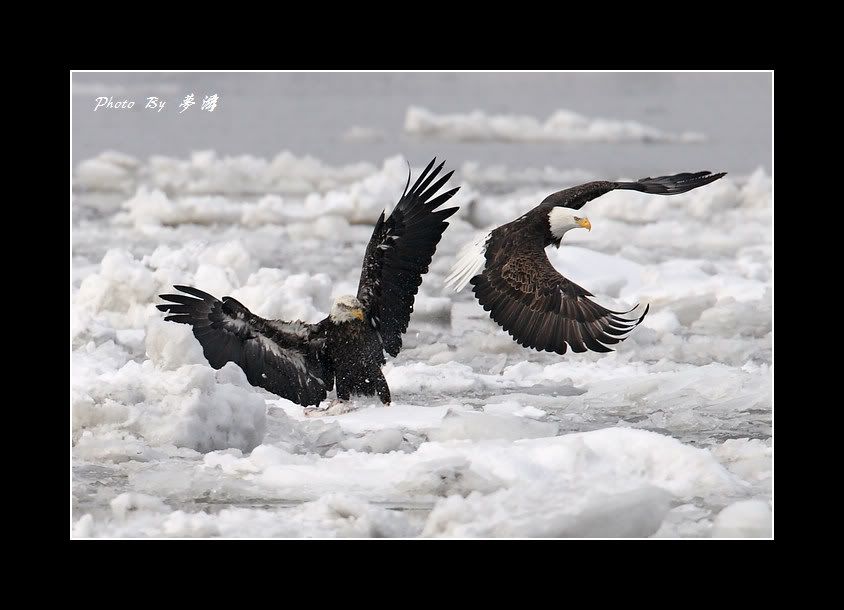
{"x": 357, "y": 356}
{"x": 515, "y": 282}
{"x": 300, "y": 361}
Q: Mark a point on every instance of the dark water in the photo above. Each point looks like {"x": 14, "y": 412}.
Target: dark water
{"x": 263, "y": 114}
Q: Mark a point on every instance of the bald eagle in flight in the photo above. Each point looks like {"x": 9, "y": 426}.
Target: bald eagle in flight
{"x": 515, "y": 282}
{"x": 300, "y": 361}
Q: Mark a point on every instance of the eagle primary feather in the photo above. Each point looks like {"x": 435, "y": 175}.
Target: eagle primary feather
{"x": 282, "y": 357}
{"x": 398, "y": 255}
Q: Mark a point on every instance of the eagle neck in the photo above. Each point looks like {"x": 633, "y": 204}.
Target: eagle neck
{"x": 550, "y": 238}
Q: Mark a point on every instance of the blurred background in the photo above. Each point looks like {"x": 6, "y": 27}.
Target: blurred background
{"x": 343, "y": 118}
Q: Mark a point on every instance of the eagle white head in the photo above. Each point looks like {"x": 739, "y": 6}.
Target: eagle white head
{"x": 562, "y": 220}
{"x": 346, "y": 308}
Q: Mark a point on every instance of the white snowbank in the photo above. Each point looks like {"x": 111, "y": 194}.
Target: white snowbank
{"x": 502, "y": 177}
{"x": 127, "y": 503}
{"x": 563, "y": 125}
{"x": 491, "y": 438}
{"x": 109, "y": 171}
{"x": 206, "y": 173}
{"x": 441, "y": 378}
{"x": 479, "y": 426}
{"x": 745, "y": 519}
{"x": 635, "y": 455}
{"x": 605, "y": 483}
{"x": 326, "y": 212}
{"x": 173, "y": 396}
{"x": 193, "y": 406}
{"x": 397, "y": 416}
{"x": 554, "y": 509}
{"x": 334, "y": 515}
{"x": 119, "y": 296}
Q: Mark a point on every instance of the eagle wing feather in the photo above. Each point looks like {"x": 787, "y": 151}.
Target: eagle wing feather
{"x": 577, "y": 196}
{"x": 542, "y": 309}
{"x": 282, "y": 357}
{"x": 399, "y": 253}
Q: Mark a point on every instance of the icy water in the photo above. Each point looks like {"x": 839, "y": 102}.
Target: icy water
{"x": 262, "y": 114}
{"x": 271, "y": 199}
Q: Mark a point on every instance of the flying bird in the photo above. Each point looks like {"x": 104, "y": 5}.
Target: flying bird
{"x": 301, "y": 361}
{"x": 515, "y": 282}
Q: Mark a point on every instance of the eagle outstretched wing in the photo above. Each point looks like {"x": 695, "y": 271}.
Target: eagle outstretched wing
{"x": 542, "y": 309}
{"x": 528, "y": 297}
{"x": 577, "y": 196}
{"x": 282, "y": 357}
{"x": 398, "y": 255}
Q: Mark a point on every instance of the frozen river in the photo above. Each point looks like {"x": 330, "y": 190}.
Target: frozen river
{"x": 271, "y": 199}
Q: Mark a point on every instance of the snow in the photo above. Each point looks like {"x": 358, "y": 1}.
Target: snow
{"x": 744, "y": 519}
{"x": 481, "y": 426}
{"x": 563, "y": 125}
{"x": 668, "y": 436}
{"x": 551, "y": 509}
{"x": 604, "y": 483}
{"x": 205, "y": 172}
{"x": 502, "y": 177}
{"x": 110, "y": 171}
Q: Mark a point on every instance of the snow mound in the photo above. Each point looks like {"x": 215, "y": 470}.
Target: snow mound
{"x": 108, "y": 171}
{"x": 203, "y": 172}
{"x": 458, "y": 425}
{"x": 554, "y": 509}
{"x": 744, "y": 519}
{"x": 332, "y": 516}
{"x": 359, "y": 201}
{"x": 562, "y": 125}
{"x": 483, "y": 434}
{"x": 172, "y": 398}
{"x": 193, "y": 406}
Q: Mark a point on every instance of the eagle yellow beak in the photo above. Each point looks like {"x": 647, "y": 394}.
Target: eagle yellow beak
{"x": 584, "y": 222}
{"x": 358, "y": 313}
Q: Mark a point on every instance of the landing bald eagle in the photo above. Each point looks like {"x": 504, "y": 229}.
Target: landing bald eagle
{"x": 300, "y": 361}
{"x": 515, "y": 282}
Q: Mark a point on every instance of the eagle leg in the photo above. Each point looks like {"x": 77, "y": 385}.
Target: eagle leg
{"x": 382, "y": 388}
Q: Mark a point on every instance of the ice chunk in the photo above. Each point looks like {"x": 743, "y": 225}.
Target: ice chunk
{"x": 562, "y": 125}
{"x": 334, "y": 515}
{"x": 445, "y": 477}
{"x": 109, "y": 171}
{"x": 126, "y": 503}
{"x": 170, "y": 345}
{"x": 555, "y": 509}
{"x": 185, "y": 406}
{"x": 745, "y": 519}
{"x": 478, "y": 426}
{"x": 377, "y": 441}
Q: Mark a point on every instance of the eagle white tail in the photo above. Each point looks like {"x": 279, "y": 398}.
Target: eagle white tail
{"x": 470, "y": 262}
